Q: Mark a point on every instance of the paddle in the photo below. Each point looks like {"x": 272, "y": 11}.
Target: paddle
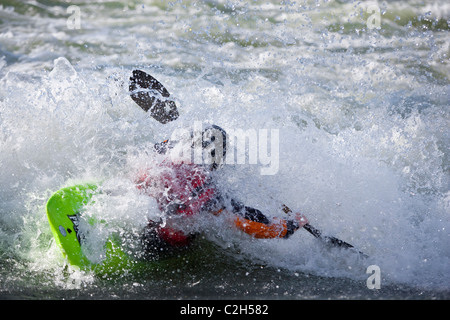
{"x": 151, "y": 96}
{"x": 326, "y": 239}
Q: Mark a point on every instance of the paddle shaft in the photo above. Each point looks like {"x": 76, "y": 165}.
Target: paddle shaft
{"x": 318, "y": 234}
{"x": 327, "y": 239}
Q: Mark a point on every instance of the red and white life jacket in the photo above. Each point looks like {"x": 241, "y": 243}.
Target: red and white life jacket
{"x": 181, "y": 189}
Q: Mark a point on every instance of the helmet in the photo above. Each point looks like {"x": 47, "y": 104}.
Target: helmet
{"x": 213, "y": 141}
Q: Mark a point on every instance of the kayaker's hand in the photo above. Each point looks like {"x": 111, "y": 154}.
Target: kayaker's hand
{"x": 300, "y": 219}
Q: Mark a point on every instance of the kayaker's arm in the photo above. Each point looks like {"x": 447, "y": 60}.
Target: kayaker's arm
{"x": 253, "y": 222}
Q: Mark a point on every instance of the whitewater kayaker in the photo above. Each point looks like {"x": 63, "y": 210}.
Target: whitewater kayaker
{"x": 184, "y": 189}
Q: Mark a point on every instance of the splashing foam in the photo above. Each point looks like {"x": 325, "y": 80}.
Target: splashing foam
{"x": 380, "y": 187}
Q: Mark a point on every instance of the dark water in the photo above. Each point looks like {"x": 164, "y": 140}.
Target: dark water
{"x": 208, "y": 274}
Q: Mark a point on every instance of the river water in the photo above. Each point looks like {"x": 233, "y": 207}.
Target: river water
{"x": 358, "y": 93}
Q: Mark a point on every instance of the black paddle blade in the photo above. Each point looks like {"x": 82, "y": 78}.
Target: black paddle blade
{"x": 151, "y": 96}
